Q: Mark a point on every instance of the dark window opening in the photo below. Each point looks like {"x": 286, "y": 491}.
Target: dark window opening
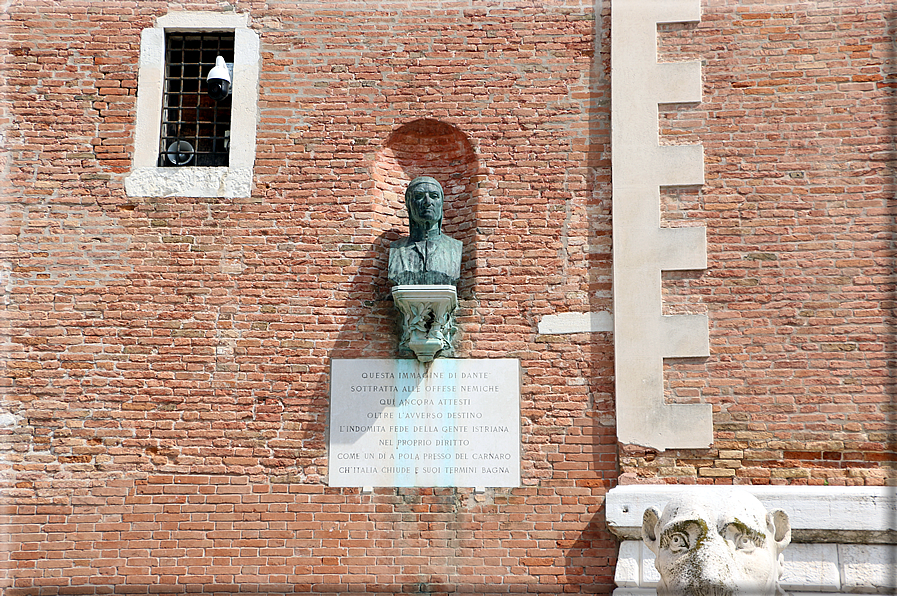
{"x": 195, "y": 128}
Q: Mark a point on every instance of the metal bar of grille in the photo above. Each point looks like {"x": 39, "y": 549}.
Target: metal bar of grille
{"x": 195, "y": 128}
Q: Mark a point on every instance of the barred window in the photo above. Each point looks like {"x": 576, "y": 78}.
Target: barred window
{"x": 195, "y": 128}
{"x": 185, "y": 143}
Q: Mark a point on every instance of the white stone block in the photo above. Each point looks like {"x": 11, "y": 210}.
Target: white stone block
{"x": 634, "y": 592}
{"x": 576, "y": 322}
{"x": 187, "y": 20}
{"x": 837, "y": 513}
{"x": 628, "y": 561}
{"x": 812, "y": 567}
{"x": 650, "y": 575}
{"x": 868, "y": 568}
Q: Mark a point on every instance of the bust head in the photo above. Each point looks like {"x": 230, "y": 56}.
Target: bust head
{"x": 719, "y": 544}
{"x": 424, "y": 198}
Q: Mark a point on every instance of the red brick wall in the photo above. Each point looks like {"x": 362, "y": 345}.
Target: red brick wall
{"x": 798, "y": 127}
{"x": 167, "y": 359}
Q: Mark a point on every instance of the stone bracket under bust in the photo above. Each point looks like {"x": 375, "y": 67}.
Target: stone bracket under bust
{"x": 425, "y": 267}
{"x": 427, "y": 324}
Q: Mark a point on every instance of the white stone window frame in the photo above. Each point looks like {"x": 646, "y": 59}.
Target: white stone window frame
{"x": 147, "y": 179}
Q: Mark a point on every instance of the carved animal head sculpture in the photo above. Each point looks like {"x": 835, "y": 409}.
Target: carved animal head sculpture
{"x": 717, "y": 544}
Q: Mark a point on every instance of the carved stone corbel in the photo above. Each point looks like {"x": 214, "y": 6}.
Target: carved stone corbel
{"x": 428, "y": 319}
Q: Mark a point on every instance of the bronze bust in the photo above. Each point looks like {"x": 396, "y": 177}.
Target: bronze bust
{"x": 426, "y": 256}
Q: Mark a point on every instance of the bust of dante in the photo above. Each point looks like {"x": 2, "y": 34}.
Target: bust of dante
{"x": 426, "y": 256}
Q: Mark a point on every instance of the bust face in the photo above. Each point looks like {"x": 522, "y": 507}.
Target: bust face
{"x": 722, "y": 547}
{"x": 425, "y": 203}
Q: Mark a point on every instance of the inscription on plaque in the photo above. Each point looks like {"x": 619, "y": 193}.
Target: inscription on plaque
{"x": 405, "y": 423}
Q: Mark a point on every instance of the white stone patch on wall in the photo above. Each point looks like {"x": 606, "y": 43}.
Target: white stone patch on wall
{"x": 8, "y": 423}
{"x": 576, "y": 322}
{"x": 643, "y": 336}
{"x": 6, "y": 281}
{"x": 235, "y": 180}
{"x": 7, "y": 419}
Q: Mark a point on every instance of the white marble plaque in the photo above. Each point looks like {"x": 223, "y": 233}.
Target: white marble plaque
{"x": 445, "y": 423}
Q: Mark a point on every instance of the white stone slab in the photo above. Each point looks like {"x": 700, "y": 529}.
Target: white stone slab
{"x": 650, "y": 575}
{"x": 626, "y": 574}
{"x": 816, "y": 513}
{"x": 811, "y": 567}
{"x": 576, "y": 322}
{"x": 635, "y": 592}
{"x": 404, "y": 423}
{"x": 868, "y": 567}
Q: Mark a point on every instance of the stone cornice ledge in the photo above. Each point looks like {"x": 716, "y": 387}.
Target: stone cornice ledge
{"x": 842, "y": 514}
{"x": 206, "y": 182}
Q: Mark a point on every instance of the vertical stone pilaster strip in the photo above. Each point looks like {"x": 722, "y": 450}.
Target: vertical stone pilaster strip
{"x": 643, "y": 337}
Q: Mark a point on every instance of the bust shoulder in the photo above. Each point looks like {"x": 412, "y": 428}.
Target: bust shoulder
{"x": 403, "y": 242}
{"x": 449, "y": 241}
{"x": 443, "y": 240}
{"x": 428, "y": 262}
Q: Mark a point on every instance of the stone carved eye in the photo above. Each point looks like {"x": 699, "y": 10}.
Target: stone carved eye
{"x": 742, "y": 539}
{"x": 678, "y": 542}
{"x": 744, "y": 542}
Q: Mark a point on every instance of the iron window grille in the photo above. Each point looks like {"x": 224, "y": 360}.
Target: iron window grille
{"x": 195, "y": 128}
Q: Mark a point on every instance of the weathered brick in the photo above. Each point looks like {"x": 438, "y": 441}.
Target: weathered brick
{"x": 168, "y": 358}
